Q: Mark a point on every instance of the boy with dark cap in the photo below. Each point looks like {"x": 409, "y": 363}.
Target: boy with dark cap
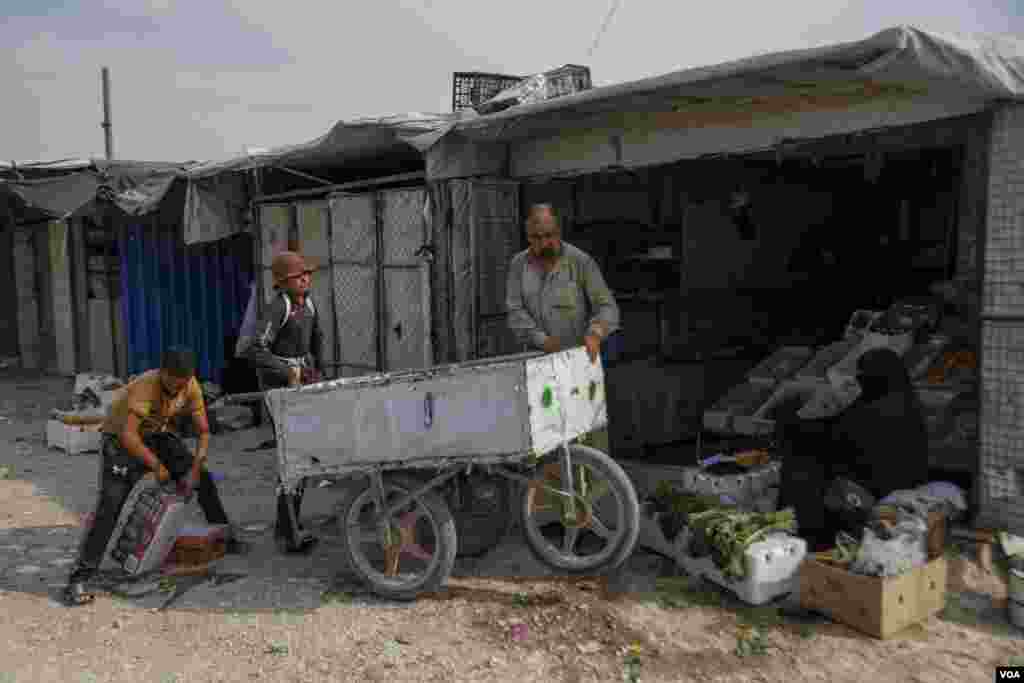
{"x": 136, "y": 440}
{"x": 287, "y": 351}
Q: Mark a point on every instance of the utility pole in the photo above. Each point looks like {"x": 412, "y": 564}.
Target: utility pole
{"x": 108, "y": 135}
{"x": 108, "y": 220}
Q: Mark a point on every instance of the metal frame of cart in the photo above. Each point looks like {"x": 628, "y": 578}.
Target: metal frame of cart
{"x": 406, "y": 435}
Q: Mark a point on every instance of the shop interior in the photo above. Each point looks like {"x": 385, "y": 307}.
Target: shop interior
{"x": 717, "y": 264}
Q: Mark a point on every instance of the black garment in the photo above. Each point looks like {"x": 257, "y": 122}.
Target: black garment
{"x": 284, "y": 528}
{"x": 286, "y": 331}
{"x": 879, "y": 442}
{"x": 882, "y": 437}
{"x": 120, "y": 471}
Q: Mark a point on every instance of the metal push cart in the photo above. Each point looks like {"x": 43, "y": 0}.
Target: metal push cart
{"x": 406, "y": 435}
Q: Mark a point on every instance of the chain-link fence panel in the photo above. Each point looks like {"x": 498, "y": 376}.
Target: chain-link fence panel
{"x": 355, "y": 297}
{"x": 1002, "y": 426}
{"x": 407, "y": 319}
{"x": 353, "y": 228}
{"x": 404, "y": 225}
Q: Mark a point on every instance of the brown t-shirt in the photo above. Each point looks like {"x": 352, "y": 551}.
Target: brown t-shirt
{"x": 146, "y": 399}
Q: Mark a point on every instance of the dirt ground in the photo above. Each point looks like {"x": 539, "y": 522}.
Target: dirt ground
{"x": 482, "y": 627}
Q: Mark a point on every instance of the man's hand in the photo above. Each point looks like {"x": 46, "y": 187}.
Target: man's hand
{"x": 593, "y": 344}
{"x": 162, "y": 475}
{"x": 551, "y": 345}
{"x": 294, "y": 376}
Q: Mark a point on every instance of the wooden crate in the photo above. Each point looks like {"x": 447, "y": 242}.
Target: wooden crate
{"x": 200, "y": 546}
{"x": 878, "y": 606}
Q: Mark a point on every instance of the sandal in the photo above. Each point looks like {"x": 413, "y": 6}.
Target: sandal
{"x": 77, "y": 595}
{"x": 303, "y": 547}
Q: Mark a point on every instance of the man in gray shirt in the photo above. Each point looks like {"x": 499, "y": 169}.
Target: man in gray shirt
{"x": 556, "y": 296}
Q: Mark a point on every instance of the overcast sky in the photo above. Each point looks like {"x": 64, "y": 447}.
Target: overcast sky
{"x": 201, "y": 79}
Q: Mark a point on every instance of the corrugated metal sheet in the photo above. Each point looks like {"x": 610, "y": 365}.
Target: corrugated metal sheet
{"x": 175, "y": 294}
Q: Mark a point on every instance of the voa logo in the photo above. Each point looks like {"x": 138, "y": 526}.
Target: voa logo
{"x": 1015, "y": 675}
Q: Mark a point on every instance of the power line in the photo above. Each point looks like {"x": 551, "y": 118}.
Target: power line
{"x": 604, "y": 26}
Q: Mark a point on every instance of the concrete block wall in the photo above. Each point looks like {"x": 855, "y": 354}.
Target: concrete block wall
{"x": 63, "y": 301}
{"x": 1002, "y": 348}
{"x": 28, "y": 305}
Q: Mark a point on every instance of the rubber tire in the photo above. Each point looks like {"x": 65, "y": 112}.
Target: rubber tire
{"x": 445, "y": 535}
{"x": 619, "y": 481}
{"x": 477, "y": 545}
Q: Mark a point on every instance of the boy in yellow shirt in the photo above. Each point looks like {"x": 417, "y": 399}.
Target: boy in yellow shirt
{"x": 136, "y": 441}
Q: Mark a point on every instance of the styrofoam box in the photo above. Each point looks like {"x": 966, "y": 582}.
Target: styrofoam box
{"x": 861, "y": 321}
{"x": 743, "y": 488}
{"x": 781, "y": 365}
{"x": 735, "y": 486}
{"x": 773, "y": 567}
{"x": 817, "y": 369}
{"x": 761, "y": 422}
{"x": 742, "y": 400}
{"x": 73, "y": 440}
{"x": 900, "y": 343}
{"x": 94, "y": 381}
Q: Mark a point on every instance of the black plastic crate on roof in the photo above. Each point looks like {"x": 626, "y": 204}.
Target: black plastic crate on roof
{"x": 471, "y": 88}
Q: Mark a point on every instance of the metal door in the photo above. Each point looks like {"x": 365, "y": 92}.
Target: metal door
{"x": 485, "y": 235}
{"x": 275, "y": 227}
{"x": 314, "y": 228}
{"x": 406, "y": 280}
{"x": 498, "y": 238}
{"x": 356, "y": 292}
{"x": 44, "y": 298}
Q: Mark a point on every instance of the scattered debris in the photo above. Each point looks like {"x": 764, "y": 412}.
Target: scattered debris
{"x": 233, "y": 418}
{"x": 336, "y": 597}
{"x": 750, "y": 642}
{"x": 519, "y": 632}
{"x": 277, "y": 649}
{"x": 632, "y": 664}
{"x": 95, "y": 382}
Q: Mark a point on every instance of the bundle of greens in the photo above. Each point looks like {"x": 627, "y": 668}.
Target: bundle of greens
{"x": 725, "y": 534}
{"x": 676, "y": 508}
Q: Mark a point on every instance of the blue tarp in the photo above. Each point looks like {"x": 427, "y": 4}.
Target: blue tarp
{"x": 186, "y": 295}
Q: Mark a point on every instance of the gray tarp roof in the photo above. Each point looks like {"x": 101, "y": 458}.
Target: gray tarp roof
{"x": 347, "y": 141}
{"x": 987, "y": 67}
{"x": 59, "y": 189}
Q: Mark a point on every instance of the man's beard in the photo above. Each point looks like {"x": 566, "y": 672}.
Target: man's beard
{"x": 549, "y": 252}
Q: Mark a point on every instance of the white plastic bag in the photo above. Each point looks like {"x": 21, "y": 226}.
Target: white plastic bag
{"x": 893, "y": 552}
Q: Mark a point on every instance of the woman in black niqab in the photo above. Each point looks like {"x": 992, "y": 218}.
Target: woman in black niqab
{"x": 879, "y": 442}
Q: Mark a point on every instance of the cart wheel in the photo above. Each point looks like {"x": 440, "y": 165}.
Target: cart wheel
{"x": 413, "y": 554}
{"x": 480, "y": 505}
{"x": 599, "y": 530}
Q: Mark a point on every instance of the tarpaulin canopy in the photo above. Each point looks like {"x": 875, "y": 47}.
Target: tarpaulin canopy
{"x": 135, "y": 187}
{"x": 216, "y": 198}
{"x": 983, "y": 67}
{"x": 346, "y": 141}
